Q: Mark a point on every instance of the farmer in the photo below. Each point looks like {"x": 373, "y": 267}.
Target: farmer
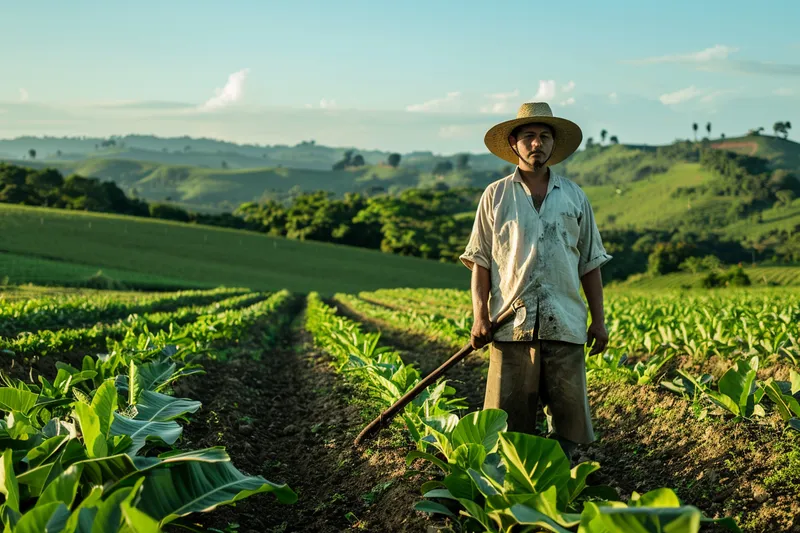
{"x": 535, "y": 240}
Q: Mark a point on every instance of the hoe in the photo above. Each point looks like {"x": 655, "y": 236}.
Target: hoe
{"x": 385, "y": 417}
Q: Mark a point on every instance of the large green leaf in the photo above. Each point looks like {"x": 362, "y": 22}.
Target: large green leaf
{"x": 468, "y": 456}
{"x": 787, "y": 405}
{"x": 8, "y": 481}
{"x": 82, "y": 519}
{"x": 644, "y": 520}
{"x": 109, "y": 512}
{"x": 92, "y": 430}
{"x": 45, "y": 451}
{"x": 477, "y": 513}
{"x": 427, "y": 506}
{"x": 738, "y": 384}
{"x": 140, "y": 431}
{"x": 48, "y": 518}
{"x": 64, "y": 488}
{"x": 104, "y": 405}
{"x": 460, "y": 485}
{"x": 578, "y": 475}
{"x": 655, "y": 498}
{"x": 416, "y": 454}
{"x": 194, "y": 487}
{"x": 17, "y": 400}
{"x": 158, "y": 407}
{"x": 525, "y": 515}
{"x": 480, "y": 427}
{"x": 534, "y": 464}
{"x": 138, "y": 521}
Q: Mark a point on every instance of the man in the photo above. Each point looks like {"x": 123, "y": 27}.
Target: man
{"x": 534, "y": 242}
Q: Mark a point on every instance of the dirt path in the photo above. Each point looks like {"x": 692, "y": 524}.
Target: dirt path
{"x": 291, "y": 419}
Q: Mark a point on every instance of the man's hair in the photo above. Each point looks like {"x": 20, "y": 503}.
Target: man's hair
{"x": 515, "y": 131}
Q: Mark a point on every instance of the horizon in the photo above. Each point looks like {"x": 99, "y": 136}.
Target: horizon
{"x": 416, "y": 77}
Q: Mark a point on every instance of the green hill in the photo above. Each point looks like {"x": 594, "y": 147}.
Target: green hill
{"x": 162, "y": 251}
{"x": 760, "y": 276}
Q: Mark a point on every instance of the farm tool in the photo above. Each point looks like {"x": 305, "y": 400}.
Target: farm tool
{"x": 386, "y": 417}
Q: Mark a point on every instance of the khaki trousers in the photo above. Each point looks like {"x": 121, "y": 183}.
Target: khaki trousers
{"x": 522, "y": 373}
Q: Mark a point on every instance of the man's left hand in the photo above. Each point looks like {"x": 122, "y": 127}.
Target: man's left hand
{"x": 597, "y": 337}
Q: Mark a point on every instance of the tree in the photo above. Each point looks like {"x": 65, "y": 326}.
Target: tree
{"x": 443, "y": 167}
{"x": 614, "y": 139}
{"x": 708, "y": 128}
{"x": 722, "y": 136}
{"x": 346, "y": 161}
{"x": 358, "y": 160}
{"x": 590, "y": 143}
{"x": 58, "y": 153}
{"x": 462, "y": 161}
{"x": 603, "y": 134}
{"x": 394, "y": 160}
{"x": 786, "y": 127}
{"x": 785, "y": 197}
{"x": 695, "y": 127}
{"x": 778, "y": 128}
{"x": 224, "y": 164}
{"x": 32, "y": 153}
{"x": 187, "y": 148}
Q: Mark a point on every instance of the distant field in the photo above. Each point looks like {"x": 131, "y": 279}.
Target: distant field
{"x": 26, "y": 269}
{"x": 211, "y": 256}
{"x": 759, "y": 276}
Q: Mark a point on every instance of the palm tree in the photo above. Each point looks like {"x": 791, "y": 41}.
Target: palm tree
{"x": 708, "y": 128}
{"x": 614, "y": 139}
{"x": 603, "y": 134}
{"x": 694, "y": 127}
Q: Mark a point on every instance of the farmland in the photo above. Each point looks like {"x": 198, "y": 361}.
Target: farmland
{"x": 138, "y": 390}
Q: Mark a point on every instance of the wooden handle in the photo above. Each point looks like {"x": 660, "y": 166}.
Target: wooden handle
{"x": 385, "y": 417}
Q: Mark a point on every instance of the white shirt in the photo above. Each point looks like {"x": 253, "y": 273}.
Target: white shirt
{"x": 538, "y": 257}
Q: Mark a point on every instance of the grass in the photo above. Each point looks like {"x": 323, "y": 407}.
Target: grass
{"x": 207, "y": 256}
{"x": 760, "y": 276}
{"x": 19, "y": 269}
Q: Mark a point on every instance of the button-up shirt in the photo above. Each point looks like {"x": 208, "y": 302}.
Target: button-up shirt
{"x": 536, "y": 256}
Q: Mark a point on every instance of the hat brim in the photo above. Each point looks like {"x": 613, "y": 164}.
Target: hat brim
{"x": 568, "y": 137}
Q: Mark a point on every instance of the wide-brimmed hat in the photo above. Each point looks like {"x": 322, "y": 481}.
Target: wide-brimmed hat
{"x": 568, "y": 135}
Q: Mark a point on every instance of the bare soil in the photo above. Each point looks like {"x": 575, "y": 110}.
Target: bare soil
{"x": 291, "y": 419}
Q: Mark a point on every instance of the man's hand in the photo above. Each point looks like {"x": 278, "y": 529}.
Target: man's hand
{"x": 598, "y": 336}
{"x": 481, "y": 332}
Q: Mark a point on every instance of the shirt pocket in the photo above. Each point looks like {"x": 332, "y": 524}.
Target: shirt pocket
{"x": 570, "y": 229}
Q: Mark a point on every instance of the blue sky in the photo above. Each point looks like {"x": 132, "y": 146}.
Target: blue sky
{"x": 400, "y": 76}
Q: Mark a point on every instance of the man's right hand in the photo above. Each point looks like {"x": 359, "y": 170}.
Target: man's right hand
{"x": 481, "y": 332}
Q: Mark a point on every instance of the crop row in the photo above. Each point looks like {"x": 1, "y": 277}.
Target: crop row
{"x": 490, "y": 479}
{"x": 742, "y": 324}
{"x": 98, "y": 336}
{"x": 93, "y": 450}
{"x": 72, "y": 311}
{"x": 737, "y": 392}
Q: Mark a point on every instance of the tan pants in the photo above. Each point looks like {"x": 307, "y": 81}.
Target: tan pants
{"x": 520, "y": 373}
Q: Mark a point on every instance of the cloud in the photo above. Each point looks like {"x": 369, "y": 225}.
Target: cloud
{"x": 714, "y": 53}
{"x": 327, "y": 104}
{"x": 23, "y": 95}
{"x": 569, "y": 87}
{"x": 547, "y": 90}
{"x": 717, "y": 59}
{"x": 613, "y": 98}
{"x": 230, "y": 94}
{"x": 568, "y": 101}
{"x": 437, "y": 104}
{"x": 454, "y": 132}
{"x": 680, "y": 96}
{"x": 500, "y": 102}
{"x": 144, "y": 105}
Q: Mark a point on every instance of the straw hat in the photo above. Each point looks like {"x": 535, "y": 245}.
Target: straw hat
{"x": 568, "y": 135}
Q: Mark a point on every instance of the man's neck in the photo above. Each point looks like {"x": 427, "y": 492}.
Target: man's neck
{"x": 533, "y": 178}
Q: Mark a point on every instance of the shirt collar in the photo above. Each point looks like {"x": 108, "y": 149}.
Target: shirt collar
{"x": 555, "y": 179}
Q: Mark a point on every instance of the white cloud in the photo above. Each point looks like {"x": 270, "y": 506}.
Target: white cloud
{"x": 613, "y": 97}
{"x": 23, "y": 95}
{"x": 568, "y": 101}
{"x": 568, "y": 87}
{"x": 547, "y": 90}
{"x": 783, "y": 91}
{"x": 715, "y": 53}
{"x": 327, "y": 104}
{"x": 454, "y": 132}
{"x": 500, "y": 102}
{"x": 230, "y": 94}
{"x": 436, "y": 104}
{"x": 680, "y": 96}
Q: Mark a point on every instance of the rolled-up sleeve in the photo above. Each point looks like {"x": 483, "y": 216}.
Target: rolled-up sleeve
{"x": 479, "y": 247}
{"x": 590, "y": 244}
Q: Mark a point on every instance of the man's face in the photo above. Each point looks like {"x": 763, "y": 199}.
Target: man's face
{"x": 534, "y": 144}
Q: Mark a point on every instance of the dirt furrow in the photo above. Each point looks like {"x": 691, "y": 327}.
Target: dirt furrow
{"x": 291, "y": 419}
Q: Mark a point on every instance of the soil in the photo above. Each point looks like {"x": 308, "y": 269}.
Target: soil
{"x": 748, "y": 148}
{"x": 291, "y": 419}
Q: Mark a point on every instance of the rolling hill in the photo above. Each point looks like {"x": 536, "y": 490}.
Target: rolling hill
{"x": 59, "y": 243}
